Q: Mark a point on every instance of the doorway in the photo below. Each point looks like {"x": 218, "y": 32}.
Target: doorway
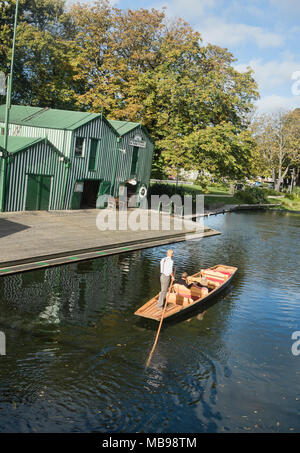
{"x": 89, "y": 194}
{"x": 38, "y": 193}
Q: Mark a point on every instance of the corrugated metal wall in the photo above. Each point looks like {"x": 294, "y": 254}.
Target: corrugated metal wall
{"x": 61, "y": 139}
{"x": 97, "y": 129}
{"x": 38, "y": 159}
{"x": 64, "y": 141}
{"x": 144, "y": 163}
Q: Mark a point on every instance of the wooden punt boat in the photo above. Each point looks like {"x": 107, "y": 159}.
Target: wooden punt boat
{"x": 182, "y": 300}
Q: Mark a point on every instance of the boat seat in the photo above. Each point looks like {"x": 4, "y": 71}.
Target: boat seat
{"x": 214, "y": 277}
{"x": 223, "y": 270}
{"x": 191, "y": 294}
{"x": 181, "y": 295}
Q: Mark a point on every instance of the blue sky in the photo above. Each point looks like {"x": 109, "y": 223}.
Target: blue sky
{"x": 262, "y": 34}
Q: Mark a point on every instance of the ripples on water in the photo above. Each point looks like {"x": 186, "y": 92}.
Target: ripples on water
{"x": 76, "y": 354}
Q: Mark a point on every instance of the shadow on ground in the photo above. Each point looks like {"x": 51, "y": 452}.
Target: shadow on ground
{"x": 7, "y": 227}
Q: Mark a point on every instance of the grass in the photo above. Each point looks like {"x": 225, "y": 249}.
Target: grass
{"x": 218, "y": 189}
{"x": 218, "y": 202}
{"x": 286, "y": 203}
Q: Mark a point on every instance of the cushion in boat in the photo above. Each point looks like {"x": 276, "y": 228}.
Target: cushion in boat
{"x": 213, "y": 279}
{"x": 214, "y": 274}
{"x": 223, "y": 270}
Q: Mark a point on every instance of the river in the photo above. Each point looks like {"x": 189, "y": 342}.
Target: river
{"x": 75, "y": 353}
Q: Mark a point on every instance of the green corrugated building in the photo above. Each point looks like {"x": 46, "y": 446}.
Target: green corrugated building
{"x": 35, "y": 173}
{"x": 134, "y": 159}
{"x": 96, "y": 157}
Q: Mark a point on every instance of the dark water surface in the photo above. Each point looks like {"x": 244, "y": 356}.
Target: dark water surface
{"x": 76, "y": 354}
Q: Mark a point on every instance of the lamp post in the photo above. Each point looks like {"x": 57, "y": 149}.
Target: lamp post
{"x": 7, "y": 109}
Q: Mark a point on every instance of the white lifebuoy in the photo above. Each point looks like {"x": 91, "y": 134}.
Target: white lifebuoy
{"x": 143, "y": 191}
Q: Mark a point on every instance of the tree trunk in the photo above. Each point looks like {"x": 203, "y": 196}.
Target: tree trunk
{"x": 293, "y": 178}
{"x": 277, "y": 181}
{"x": 277, "y": 185}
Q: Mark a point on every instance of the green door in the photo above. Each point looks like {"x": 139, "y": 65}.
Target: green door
{"x": 104, "y": 188}
{"x": 38, "y": 193}
{"x": 77, "y": 195}
{"x": 45, "y": 186}
{"x": 103, "y": 194}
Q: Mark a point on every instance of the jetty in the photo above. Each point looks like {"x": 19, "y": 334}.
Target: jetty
{"x": 37, "y": 239}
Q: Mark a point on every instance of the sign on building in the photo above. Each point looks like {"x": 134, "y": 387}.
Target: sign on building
{"x": 137, "y": 141}
{"x": 79, "y": 187}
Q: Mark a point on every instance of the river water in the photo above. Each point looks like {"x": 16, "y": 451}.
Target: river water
{"x": 75, "y": 359}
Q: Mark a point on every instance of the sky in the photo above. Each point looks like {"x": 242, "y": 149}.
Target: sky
{"x": 261, "y": 34}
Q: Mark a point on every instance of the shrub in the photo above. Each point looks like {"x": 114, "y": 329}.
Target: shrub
{"x": 203, "y": 182}
{"x": 252, "y": 195}
{"x": 292, "y": 196}
{"x": 165, "y": 189}
{"x": 171, "y": 189}
{"x": 297, "y": 191}
{"x": 270, "y": 192}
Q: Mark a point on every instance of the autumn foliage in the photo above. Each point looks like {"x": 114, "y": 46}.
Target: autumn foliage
{"x": 135, "y": 65}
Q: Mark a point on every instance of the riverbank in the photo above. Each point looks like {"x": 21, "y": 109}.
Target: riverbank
{"x": 235, "y": 207}
{"x": 217, "y": 198}
{"x": 285, "y": 203}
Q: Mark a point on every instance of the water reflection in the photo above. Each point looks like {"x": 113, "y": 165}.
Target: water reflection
{"x": 76, "y": 354}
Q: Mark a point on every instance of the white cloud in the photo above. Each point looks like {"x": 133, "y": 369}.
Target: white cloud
{"x": 218, "y": 31}
{"x": 215, "y": 28}
{"x": 272, "y": 74}
{"x": 274, "y": 103}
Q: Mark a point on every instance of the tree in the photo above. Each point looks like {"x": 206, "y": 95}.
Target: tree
{"x": 218, "y": 149}
{"x": 277, "y": 137}
{"x": 138, "y": 66}
{"x": 134, "y": 65}
{"x": 43, "y": 73}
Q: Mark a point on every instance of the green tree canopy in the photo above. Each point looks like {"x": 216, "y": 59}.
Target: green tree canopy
{"x": 43, "y": 73}
{"x": 141, "y": 67}
{"x": 135, "y": 65}
{"x": 277, "y": 137}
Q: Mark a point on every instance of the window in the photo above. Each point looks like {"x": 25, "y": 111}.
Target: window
{"x": 79, "y": 146}
{"x": 134, "y": 161}
{"x": 93, "y": 154}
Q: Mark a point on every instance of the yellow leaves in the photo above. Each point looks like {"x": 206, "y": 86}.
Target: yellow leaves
{"x": 138, "y": 67}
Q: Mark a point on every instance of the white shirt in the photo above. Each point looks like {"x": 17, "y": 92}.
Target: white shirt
{"x": 166, "y": 266}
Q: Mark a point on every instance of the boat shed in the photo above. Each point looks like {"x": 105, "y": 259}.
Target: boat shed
{"x": 86, "y": 139}
{"x": 133, "y": 162}
{"x": 100, "y": 155}
{"x": 35, "y": 174}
